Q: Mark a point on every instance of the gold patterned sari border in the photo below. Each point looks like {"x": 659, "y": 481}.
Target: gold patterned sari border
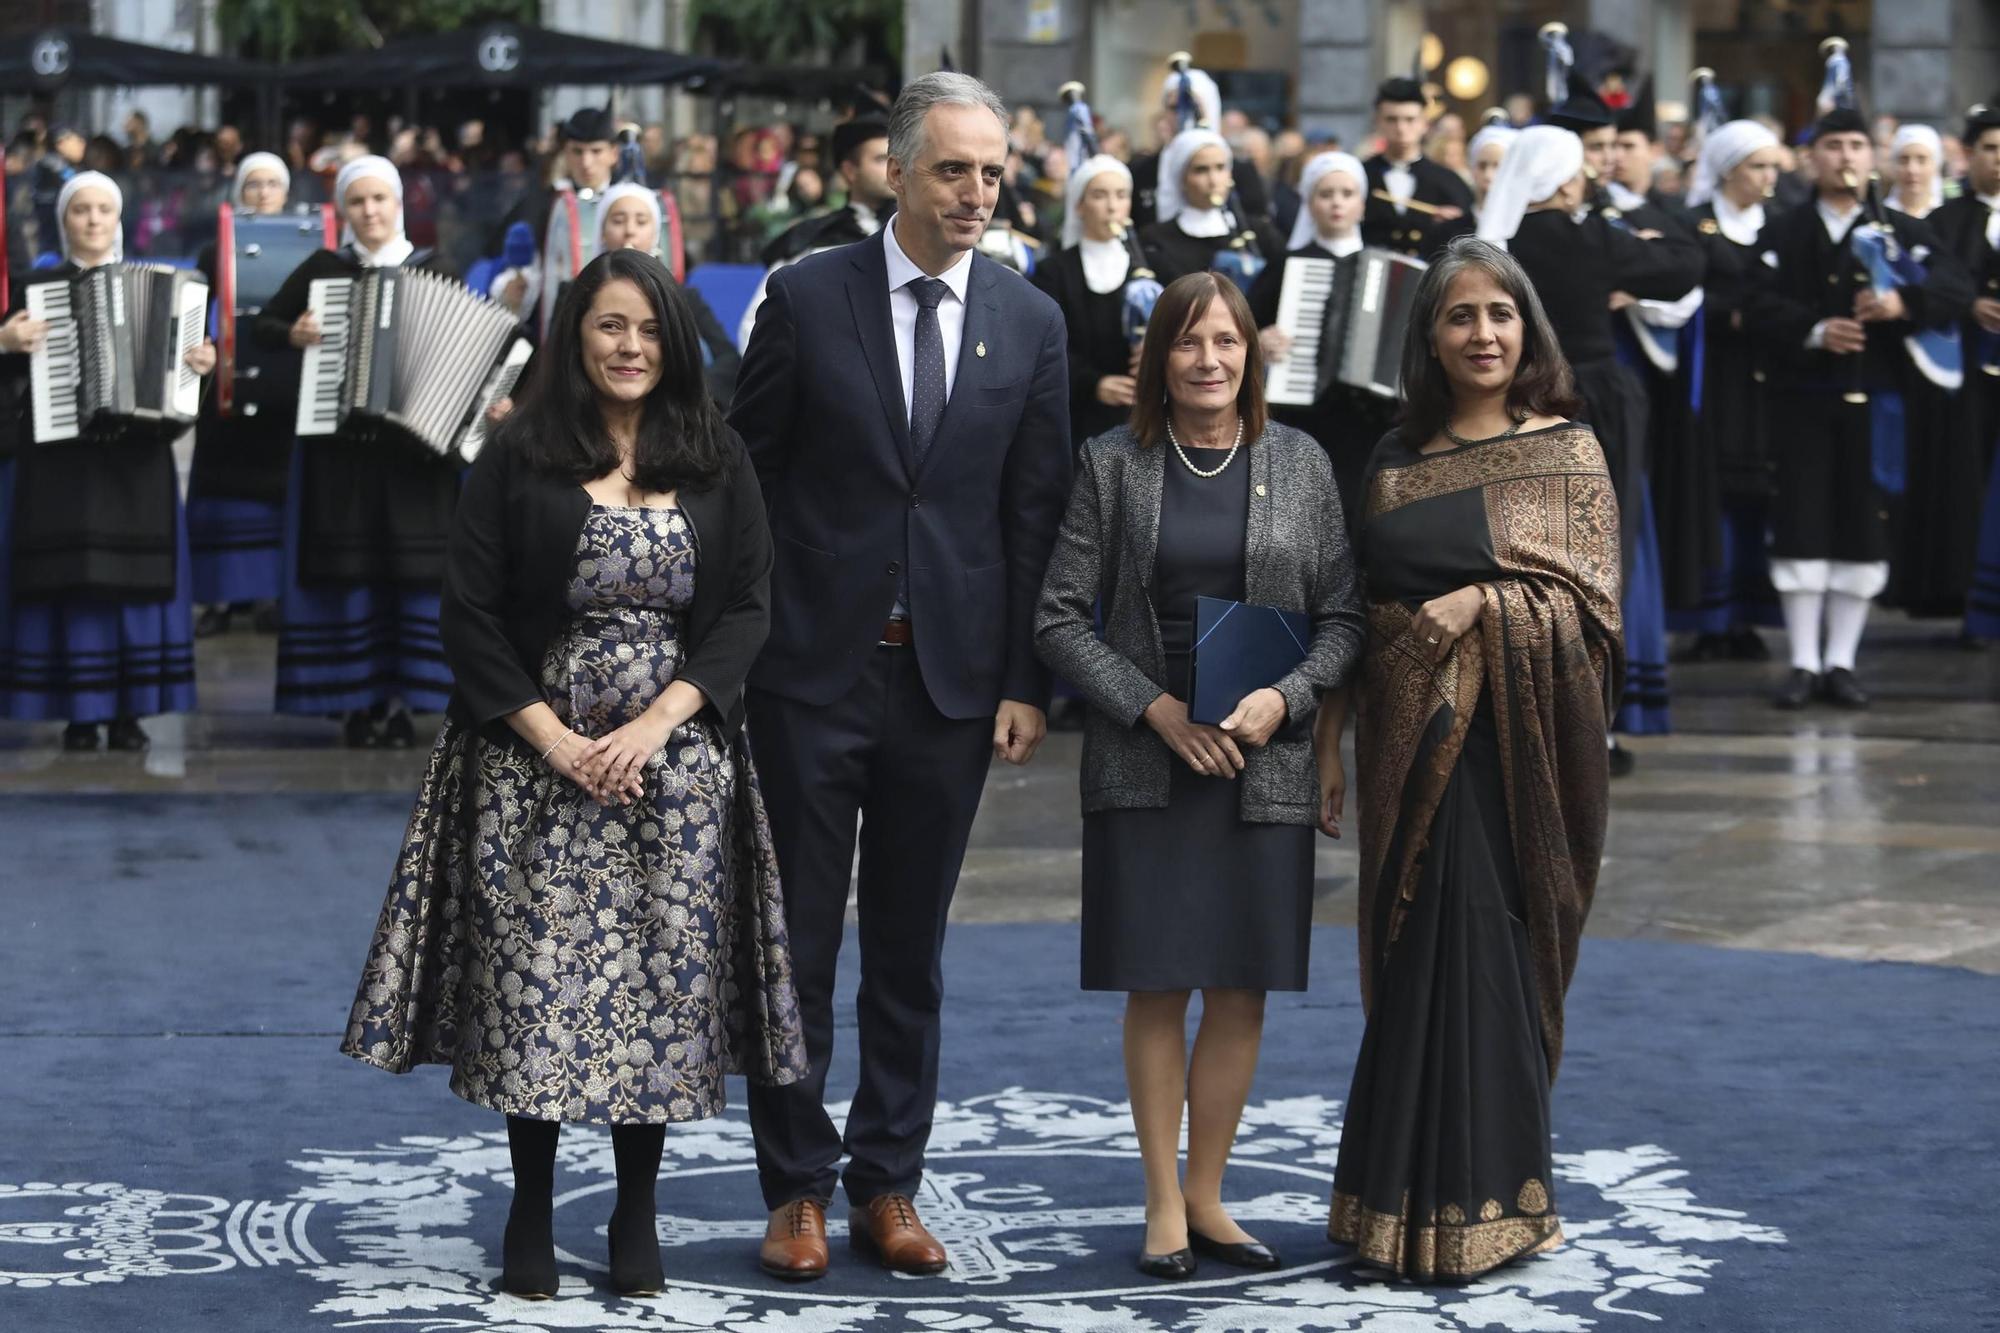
{"x": 1431, "y": 1250}
{"x": 1560, "y": 453}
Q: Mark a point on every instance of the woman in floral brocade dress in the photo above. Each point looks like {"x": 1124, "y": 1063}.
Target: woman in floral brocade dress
{"x": 586, "y": 921}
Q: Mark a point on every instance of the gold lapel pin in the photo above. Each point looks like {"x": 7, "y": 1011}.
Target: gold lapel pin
{"x": 1260, "y": 490}
{"x": 979, "y": 350}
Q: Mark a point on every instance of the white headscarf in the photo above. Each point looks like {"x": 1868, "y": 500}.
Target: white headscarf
{"x": 397, "y": 248}
{"x": 1504, "y": 135}
{"x": 1079, "y": 181}
{"x": 629, "y": 190}
{"x": 1173, "y": 165}
{"x": 84, "y": 180}
{"x": 1540, "y": 162}
{"x": 1725, "y": 150}
{"x": 1304, "y": 230}
{"x": 1928, "y": 137}
{"x": 259, "y": 162}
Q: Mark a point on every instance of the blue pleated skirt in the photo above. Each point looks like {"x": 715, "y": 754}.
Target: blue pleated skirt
{"x": 351, "y": 646}
{"x": 1644, "y": 710}
{"x": 239, "y": 549}
{"x": 93, "y": 661}
{"x": 1736, "y": 592}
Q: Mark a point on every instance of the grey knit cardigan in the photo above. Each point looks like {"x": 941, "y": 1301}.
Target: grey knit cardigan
{"x": 1296, "y": 557}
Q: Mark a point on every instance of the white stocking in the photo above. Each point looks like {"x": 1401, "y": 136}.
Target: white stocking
{"x": 1802, "y": 612}
{"x": 1845, "y": 618}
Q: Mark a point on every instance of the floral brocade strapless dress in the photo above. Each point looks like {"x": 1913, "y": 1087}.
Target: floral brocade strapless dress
{"x": 577, "y": 961}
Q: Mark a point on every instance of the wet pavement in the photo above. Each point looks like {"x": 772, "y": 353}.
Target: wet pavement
{"x": 1851, "y": 835}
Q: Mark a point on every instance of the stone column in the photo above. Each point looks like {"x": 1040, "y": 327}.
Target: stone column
{"x": 1930, "y": 59}
{"x": 1342, "y": 56}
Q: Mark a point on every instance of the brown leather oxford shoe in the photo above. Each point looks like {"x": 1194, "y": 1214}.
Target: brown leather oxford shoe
{"x": 794, "y": 1245}
{"x": 888, "y": 1225}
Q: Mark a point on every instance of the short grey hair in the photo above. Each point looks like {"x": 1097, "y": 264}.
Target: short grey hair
{"x": 919, "y": 95}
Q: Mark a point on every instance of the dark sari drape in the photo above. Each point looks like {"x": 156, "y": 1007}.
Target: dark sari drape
{"x": 1483, "y": 811}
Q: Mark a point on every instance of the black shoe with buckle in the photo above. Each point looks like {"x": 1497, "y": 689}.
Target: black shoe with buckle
{"x": 1839, "y": 688}
{"x": 1798, "y": 690}
{"x": 79, "y": 736}
{"x": 126, "y": 734}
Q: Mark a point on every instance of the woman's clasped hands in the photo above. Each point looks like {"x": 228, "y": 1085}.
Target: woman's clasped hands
{"x": 612, "y": 768}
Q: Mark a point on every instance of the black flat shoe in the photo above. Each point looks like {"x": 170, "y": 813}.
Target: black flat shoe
{"x": 528, "y": 1261}
{"x": 1839, "y": 688}
{"x": 1175, "y": 1267}
{"x": 126, "y": 734}
{"x": 358, "y": 732}
{"x": 1242, "y": 1254}
{"x": 79, "y": 736}
{"x": 1747, "y": 645}
{"x": 1705, "y": 648}
{"x": 635, "y": 1258}
{"x": 1622, "y": 761}
{"x": 399, "y": 732}
{"x": 1799, "y": 688}
{"x": 213, "y": 620}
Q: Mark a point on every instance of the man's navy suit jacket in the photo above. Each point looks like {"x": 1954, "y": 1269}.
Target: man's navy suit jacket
{"x": 819, "y": 402}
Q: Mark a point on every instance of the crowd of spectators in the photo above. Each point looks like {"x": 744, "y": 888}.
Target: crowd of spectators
{"x": 733, "y": 198}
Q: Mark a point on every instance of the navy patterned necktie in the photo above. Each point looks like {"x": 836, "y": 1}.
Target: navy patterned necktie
{"x": 926, "y": 366}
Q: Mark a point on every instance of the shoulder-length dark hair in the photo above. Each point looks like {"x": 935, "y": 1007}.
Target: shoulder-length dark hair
{"x": 558, "y": 426}
{"x": 1542, "y": 383}
{"x": 1183, "y": 305}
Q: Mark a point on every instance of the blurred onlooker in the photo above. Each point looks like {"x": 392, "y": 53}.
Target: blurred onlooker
{"x": 1288, "y": 145}
{"x": 228, "y": 144}
{"x": 1520, "y": 109}
{"x": 1255, "y": 145}
{"x": 1116, "y": 143}
{"x": 102, "y": 153}
{"x": 1234, "y": 121}
{"x": 141, "y": 152}
{"x": 1445, "y": 145}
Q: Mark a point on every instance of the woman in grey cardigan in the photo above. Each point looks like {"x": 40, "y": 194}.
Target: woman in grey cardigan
{"x": 1198, "y": 840}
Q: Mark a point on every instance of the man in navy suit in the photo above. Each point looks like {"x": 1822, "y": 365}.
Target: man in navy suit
{"x": 905, "y": 401}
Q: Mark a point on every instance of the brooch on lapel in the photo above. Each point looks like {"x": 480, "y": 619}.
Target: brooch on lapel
{"x": 979, "y": 349}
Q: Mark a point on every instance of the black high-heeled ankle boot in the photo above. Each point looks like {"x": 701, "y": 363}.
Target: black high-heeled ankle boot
{"x": 528, "y": 1249}
{"x": 634, "y": 1237}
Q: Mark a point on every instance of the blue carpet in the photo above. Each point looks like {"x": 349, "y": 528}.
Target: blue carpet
{"x": 1747, "y": 1142}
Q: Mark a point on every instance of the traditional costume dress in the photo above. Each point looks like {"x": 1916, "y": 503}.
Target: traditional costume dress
{"x": 1191, "y": 233}
{"x": 96, "y": 617}
{"x": 1347, "y": 422}
{"x": 367, "y": 515}
{"x": 236, "y": 487}
{"x": 1482, "y": 822}
{"x": 1840, "y": 457}
{"x": 1733, "y": 440}
{"x": 1969, "y": 227}
{"x": 1087, "y": 279}
{"x": 1937, "y": 518}
{"x": 1575, "y": 266}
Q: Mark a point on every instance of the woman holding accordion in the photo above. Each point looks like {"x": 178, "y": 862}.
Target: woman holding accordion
{"x": 96, "y": 621}
{"x": 1347, "y": 422}
{"x": 366, "y": 517}
{"x": 1087, "y": 279}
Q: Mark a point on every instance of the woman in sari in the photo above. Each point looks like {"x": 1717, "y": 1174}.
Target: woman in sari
{"x": 1489, "y": 548}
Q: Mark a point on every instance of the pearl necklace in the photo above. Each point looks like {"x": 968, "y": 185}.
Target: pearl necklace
{"x": 1219, "y": 468}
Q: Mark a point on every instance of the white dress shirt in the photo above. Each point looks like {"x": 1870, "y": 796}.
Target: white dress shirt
{"x": 1340, "y": 247}
{"x": 1992, "y": 202}
{"x": 903, "y": 310}
{"x": 1203, "y": 223}
{"x": 1740, "y": 225}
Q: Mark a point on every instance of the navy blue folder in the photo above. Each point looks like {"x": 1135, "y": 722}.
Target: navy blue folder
{"x": 1240, "y": 648}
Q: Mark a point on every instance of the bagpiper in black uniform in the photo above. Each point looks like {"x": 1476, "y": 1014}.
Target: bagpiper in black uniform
{"x": 1406, "y": 228}
{"x": 1839, "y": 379}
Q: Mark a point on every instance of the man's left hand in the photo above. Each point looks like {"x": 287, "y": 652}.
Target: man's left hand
{"x": 1870, "y": 308}
{"x": 1018, "y": 729}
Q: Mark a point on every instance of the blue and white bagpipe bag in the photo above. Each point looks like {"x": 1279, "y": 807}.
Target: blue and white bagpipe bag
{"x": 1142, "y": 288}
{"x": 1198, "y": 105}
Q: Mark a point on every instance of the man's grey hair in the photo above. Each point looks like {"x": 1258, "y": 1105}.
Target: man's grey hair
{"x": 919, "y": 95}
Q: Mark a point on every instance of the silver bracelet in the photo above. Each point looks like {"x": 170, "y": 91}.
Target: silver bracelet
{"x": 557, "y": 746}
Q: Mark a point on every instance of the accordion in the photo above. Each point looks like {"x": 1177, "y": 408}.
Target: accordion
{"x": 408, "y": 352}
{"x": 114, "y": 354}
{"x": 1347, "y": 319}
